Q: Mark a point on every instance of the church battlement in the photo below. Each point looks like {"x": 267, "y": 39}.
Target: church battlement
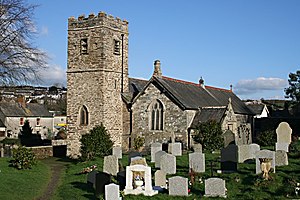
{"x": 102, "y": 19}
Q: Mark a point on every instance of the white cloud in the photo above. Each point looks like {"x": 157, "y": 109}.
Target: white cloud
{"x": 53, "y": 74}
{"x": 259, "y": 84}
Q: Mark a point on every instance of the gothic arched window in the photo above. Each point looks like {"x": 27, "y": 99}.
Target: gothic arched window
{"x": 84, "y": 116}
{"x": 156, "y": 116}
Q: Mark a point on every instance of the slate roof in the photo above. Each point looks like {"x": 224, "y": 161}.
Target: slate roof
{"x": 12, "y": 109}
{"x": 1, "y": 123}
{"x": 190, "y": 95}
{"x": 208, "y": 114}
{"x": 256, "y": 108}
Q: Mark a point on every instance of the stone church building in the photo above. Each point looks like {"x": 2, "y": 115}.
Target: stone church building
{"x": 161, "y": 109}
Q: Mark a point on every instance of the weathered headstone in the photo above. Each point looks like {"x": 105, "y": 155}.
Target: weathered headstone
{"x": 197, "y": 147}
{"x": 247, "y": 152}
{"x": 158, "y": 158}
{"x": 215, "y": 187}
{"x": 111, "y": 165}
{"x": 284, "y": 133}
{"x": 102, "y": 179}
{"x": 91, "y": 178}
{"x": 197, "y": 162}
{"x": 178, "y": 186}
{"x": 264, "y": 154}
{"x": 112, "y": 192}
{"x": 229, "y": 158}
{"x": 168, "y": 163}
{"x": 281, "y": 158}
{"x": 1, "y": 152}
{"x": 138, "y": 161}
{"x": 117, "y": 151}
{"x": 155, "y": 147}
{"x": 132, "y": 155}
{"x": 229, "y": 138}
{"x": 175, "y": 149}
{"x": 132, "y": 182}
{"x": 160, "y": 178}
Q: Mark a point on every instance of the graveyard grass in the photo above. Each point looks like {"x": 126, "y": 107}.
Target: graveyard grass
{"x": 22, "y": 184}
{"x": 244, "y": 184}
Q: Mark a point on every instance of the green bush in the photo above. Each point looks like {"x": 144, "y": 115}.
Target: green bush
{"x": 23, "y": 158}
{"x": 267, "y": 138}
{"x": 209, "y": 134}
{"x": 96, "y": 143}
{"x": 10, "y": 141}
{"x": 138, "y": 142}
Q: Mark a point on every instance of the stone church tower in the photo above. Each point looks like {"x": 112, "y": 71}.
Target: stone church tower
{"x": 97, "y": 74}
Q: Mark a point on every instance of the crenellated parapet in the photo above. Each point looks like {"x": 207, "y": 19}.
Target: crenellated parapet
{"x": 102, "y": 19}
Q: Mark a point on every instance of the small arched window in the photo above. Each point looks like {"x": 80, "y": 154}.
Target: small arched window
{"x": 156, "y": 116}
{"x": 84, "y": 116}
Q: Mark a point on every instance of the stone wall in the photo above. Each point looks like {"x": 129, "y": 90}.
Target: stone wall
{"x": 94, "y": 77}
{"x": 175, "y": 120}
{"x": 42, "y": 152}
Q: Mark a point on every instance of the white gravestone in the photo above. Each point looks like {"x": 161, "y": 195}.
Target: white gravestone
{"x": 155, "y": 147}
{"x": 178, "y": 186}
{"x": 197, "y": 162}
{"x": 146, "y": 188}
{"x": 264, "y": 154}
{"x": 111, "y": 165}
{"x": 175, "y": 149}
{"x": 158, "y": 156}
{"x": 117, "y": 151}
{"x": 281, "y": 158}
{"x": 215, "y": 187}
{"x": 247, "y": 152}
{"x": 168, "y": 163}
{"x": 112, "y": 192}
{"x": 160, "y": 178}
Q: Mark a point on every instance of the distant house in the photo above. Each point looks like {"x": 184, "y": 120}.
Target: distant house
{"x": 260, "y": 109}
{"x": 14, "y": 114}
{"x": 2, "y": 130}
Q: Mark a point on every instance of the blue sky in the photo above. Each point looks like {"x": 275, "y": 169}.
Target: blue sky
{"x": 252, "y": 45}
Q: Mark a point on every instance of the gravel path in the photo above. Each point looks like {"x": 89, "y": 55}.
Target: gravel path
{"x": 57, "y": 168}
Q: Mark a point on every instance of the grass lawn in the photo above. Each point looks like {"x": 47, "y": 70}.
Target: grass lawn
{"x": 22, "y": 184}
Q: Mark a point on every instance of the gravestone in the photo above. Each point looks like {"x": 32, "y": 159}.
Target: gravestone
{"x": 1, "y": 152}
{"x": 175, "y": 149}
{"x": 215, "y": 187}
{"x": 160, "y": 178}
{"x": 117, "y": 151}
{"x": 197, "y": 148}
{"x": 91, "y": 178}
{"x": 138, "y": 161}
{"x": 112, "y": 192}
{"x": 284, "y": 136}
{"x": 247, "y": 152}
{"x": 155, "y": 147}
{"x": 111, "y": 165}
{"x": 132, "y": 155}
{"x": 168, "y": 163}
{"x": 229, "y": 138}
{"x": 264, "y": 154}
{"x": 133, "y": 183}
{"x": 284, "y": 133}
{"x": 158, "y": 158}
{"x": 197, "y": 162}
{"x": 102, "y": 179}
{"x": 229, "y": 158}
{"x": 284, "y": 146}
{"x": 281, "y": 158}
{"x": 178, "y": 186}
{"x": 121, "y": 179}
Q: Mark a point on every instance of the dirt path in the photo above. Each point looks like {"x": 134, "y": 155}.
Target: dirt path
{"x": 57, "y": 168}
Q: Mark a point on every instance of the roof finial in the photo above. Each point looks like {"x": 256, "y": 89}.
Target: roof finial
{"x": 157, "y": 70}
{"x": 201, "y": 82}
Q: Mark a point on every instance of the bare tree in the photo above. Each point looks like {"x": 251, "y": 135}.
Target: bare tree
{"x": 20, "y": 60}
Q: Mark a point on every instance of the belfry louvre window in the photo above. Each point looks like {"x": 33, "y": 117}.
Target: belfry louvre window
{"x": 84, "y": 46}
{"x": 156, "y": 116}
{"x": 117, "y": 47}
{"x": 84, "y": 116}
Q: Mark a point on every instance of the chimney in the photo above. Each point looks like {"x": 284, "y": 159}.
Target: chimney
{"x": 231, "y": 87}
{"x": 201, "y": 82}
{"x": 157, "y": 70}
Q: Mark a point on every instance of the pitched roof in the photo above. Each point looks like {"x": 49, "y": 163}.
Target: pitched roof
{"x": 208, "y": 114}
{"x": 12, "y": 109}
{"x": 256, "y": 108}
{"x": 1, "y": 123}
